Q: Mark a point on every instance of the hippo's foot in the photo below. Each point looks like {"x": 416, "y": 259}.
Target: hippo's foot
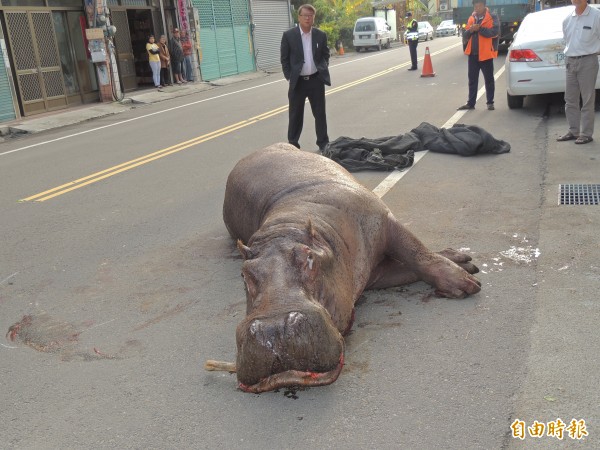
{"x": 450, "y": 273}
{"x": 460, "y": 258}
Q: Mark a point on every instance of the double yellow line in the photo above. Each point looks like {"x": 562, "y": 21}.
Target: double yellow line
{"x": 95, "y": 177}
{"x": 103, "y": 174}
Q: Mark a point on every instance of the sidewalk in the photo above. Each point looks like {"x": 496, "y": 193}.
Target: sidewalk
{"x": 83, "y": 113}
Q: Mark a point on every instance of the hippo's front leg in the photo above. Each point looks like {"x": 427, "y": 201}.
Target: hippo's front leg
{"x": 449, "y": 278}
{"x": 391, "y": 272}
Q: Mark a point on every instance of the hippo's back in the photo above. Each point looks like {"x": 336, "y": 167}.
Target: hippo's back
{"x": 274, "y": 174}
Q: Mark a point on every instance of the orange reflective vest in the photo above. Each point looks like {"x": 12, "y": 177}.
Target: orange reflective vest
{"x": 488, "y": 46}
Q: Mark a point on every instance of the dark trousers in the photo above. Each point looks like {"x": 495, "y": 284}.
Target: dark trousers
{"x": 487, "y": 69}
{"x": 177, "y": 66}
{"x": 412, "y": 47}
{"x": 314, "y": 90}
{"x": 165, "y": 78}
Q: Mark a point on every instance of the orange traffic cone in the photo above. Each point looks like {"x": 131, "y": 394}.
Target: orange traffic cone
{"x": 341, "y": 52}
{"x": 427, "y": 67}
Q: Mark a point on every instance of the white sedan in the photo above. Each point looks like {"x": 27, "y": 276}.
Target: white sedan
{"x": 446, "y": 28}
{"x": 536, "y": 63}
{"x": 425, "y": 31}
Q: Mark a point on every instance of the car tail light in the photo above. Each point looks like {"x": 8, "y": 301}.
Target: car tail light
{"x": 523, "y": 56}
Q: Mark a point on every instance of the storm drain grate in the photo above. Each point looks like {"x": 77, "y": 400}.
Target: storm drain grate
{"x": 579, "y": 194}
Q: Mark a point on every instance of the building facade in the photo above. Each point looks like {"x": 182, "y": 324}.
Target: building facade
{"x": 48, "y": 60}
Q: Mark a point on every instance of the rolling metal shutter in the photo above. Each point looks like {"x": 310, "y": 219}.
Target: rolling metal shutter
{"x": 225, "y": 42}
{"x": 270, "y": 18}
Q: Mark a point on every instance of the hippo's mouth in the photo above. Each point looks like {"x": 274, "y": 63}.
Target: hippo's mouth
{"x": 295, "y": 378}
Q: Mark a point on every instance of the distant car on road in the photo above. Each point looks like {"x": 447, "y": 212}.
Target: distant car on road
{"x": 425, "y": 31}
{"x": 446, "y": 28}
{"x": 371, "y": 32}
{"x": 535, "y": 63}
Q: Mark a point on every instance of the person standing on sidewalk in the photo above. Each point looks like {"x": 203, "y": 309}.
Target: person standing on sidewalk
{"x": 305, "y": 63}
{"x": 154, "y": 60}
{"x": 176, "y": 51}
{"x": 186, "y": 45}
{"x": 481, "y": 37}
{"x": 412, "y": 37}
{"x": 581, "y": 29}
{"x": 165, "y": 61}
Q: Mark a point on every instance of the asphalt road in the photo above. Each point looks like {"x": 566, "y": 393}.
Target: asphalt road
{"x": 118, "y": 278}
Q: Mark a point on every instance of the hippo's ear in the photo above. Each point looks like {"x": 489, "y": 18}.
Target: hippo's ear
{"x": 244, "y": 250}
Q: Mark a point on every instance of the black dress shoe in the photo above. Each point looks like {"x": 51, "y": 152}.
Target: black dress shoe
{"x": 465, "y": 106}
{"x": 412, "y": 68}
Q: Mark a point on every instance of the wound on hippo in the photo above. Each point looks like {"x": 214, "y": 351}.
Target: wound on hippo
{"x": 315, "y": 239}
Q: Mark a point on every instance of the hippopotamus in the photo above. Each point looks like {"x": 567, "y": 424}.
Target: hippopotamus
{"x": 313, "y": 239}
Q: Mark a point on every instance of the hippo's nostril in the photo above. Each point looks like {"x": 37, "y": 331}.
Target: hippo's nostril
{"x": 302, "y": 340}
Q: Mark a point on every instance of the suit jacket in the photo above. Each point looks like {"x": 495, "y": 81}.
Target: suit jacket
{"x": 292, "y": 55}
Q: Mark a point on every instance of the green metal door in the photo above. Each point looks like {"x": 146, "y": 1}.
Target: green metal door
{"x": 225, "y": 39}
{"x": 7, "y": 110}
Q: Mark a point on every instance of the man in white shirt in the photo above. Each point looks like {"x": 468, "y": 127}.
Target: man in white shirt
{"x": 305, "y": 63}
{"x": 582, "y": 36}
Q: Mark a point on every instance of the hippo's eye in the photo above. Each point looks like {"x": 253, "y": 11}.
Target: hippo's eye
{"x": 249, "y": 284}
{"x": 310, "y": 261}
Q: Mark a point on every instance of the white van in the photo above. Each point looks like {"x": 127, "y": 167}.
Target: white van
{"x": 371, "y": 32}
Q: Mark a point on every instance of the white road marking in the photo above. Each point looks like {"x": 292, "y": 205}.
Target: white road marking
{"x": 390, "y": 181}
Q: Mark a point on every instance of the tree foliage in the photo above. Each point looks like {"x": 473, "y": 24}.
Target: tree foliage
{"x": 333, "y": 16}
{"x": 418, "y": 6}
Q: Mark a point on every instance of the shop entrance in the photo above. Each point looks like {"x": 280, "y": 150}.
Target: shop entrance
{"x": 133, "y": 28}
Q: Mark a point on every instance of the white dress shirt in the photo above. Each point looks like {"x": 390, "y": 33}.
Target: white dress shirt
{"x": 308, "y": 68}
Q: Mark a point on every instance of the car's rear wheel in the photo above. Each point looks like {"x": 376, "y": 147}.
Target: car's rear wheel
{"x": 357, "y": 49}
{"x": 514, "y": 101}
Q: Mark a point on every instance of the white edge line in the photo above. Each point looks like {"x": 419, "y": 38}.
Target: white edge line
{"x": 135, "y": 118}
{"x": 389, "y": 181}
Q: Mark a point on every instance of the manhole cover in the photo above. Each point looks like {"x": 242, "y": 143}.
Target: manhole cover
{"x": 579, "y": 194}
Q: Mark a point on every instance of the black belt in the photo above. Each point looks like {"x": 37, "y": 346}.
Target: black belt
{"x": 308, "y": 77}
{"x": 582, "y": 56}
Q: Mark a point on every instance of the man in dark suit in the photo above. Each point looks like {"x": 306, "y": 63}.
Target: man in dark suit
{"x": 305, "y": 63}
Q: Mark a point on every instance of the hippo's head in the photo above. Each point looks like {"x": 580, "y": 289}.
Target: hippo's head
{"x": 287, "y": 338}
